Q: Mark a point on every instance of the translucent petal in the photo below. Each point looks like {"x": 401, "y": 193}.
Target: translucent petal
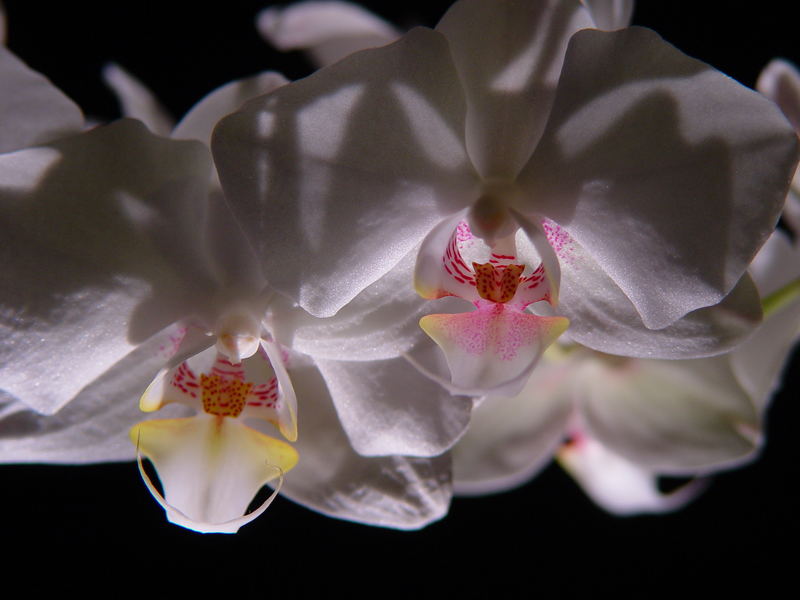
{"x": 510, "y": 439}
{"x": 610, "y": 14}
{"x": 287, "y": 164}
{"x": 493, "y": 348}
{"x": 509, "y": 57}
{"x": 619, "y": 485}
{"x": 32, "y": 110}
{"x": 780, "y": 82}
{"x": 211, "y": 467}
{"x": 136, "y": 100}
{"x": 669, "y": 174}
{"x": 328, "y": 31}
{"x": 671, "y": 417}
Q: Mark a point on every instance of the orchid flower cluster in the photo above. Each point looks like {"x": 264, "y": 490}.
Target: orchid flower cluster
{"x": 442, "y": 259}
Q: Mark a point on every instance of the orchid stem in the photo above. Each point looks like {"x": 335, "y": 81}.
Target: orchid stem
{"x": 781, "y": 297}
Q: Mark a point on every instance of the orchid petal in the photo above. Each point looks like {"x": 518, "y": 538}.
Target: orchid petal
{"x": 199, "y": 122}
{"x": 510, "y": 439}
{"x": 603, "y": 318}
{"x": 617, "y": 484}
{"x": 386, "y": 407}
{"x": 375, "y": 113}
{"x": 610, "y": 14}
{"x": 776, "y": 264}
{"x": 94, "y": 426}
{"x": 510, "y": 77}
{"x": 669, "y": 174}
{"x": 671, "y": 417}
{"x": 780, "y": 82}
{"x": 286, "y": 406}
{"x": 32, "y": 110}
{"x": 211, "y": 467}
{"x": 79, "y": 207}
{"x": 392, "y": 491}
{"x": 493, "y": 348}
{"x": 381, "y": 322}
{"x": 136, "y": 100}
{"x": 758, "y": 361}
{"x": 328, "y": 31}
{"x": 441, "y": 270}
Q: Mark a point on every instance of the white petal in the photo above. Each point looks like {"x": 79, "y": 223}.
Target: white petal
{"x": 199, "y": 122}
{"x": 669, "y": 174}
{"x": 670, "y": 417}
{"x": 381, "y": 322}
{"x": 617, "y": 484}
{"x": 603, "y": 318}
{"x": 329, "y": 31}
{"x": 88, "y": 283}
{"x": 387, "y": 407}
{"x": 211, "y": 468}
{"x": 136, "y": 100}
{"x": 510, "y": 439}
{"x": 780, "y": 82}
{"x": 610, "y": 14}
{"x": 393, "y": 491}
{"x": 32, "y": 110}
{"x": 509, "y": 57}
{"x": 338, "y": 176}
{"x": 94, "y": 426}
{"x": 776, "y": 264}
{"x": 759, "y": 361}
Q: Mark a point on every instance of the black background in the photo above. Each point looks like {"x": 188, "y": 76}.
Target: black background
{"x": 100, "y": 523}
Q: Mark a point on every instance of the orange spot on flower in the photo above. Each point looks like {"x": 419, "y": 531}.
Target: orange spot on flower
{"x": 223, "y": 396}
{"x": 497, "y": 283}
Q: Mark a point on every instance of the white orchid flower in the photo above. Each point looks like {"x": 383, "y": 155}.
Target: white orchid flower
{"x": 643, "y": 181}
{"x": 124, "y": 253}
{"x": 630, "y": 420}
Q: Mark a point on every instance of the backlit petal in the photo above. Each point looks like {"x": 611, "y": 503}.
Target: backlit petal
{"x": 617, "y": 484}
{"x": 510, "y": 439}
{"x": 136, "y": 100}
{"x": 671, "y": 417}
{"x": 328, "y": 31}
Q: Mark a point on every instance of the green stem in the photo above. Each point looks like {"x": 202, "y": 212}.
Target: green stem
{"x": 780, "y": 298}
